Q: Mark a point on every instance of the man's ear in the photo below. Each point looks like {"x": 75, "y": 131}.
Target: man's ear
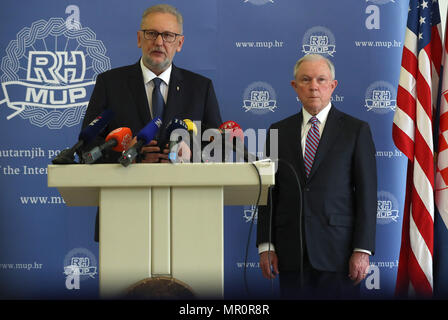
{"x": 139, "y": 39}
{"x": 294, "y": 84}
{"x": 180, "y": 43}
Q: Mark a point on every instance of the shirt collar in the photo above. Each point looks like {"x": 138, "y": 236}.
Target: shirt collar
{"x": 148, "y": 75}
{"x": 321, "y": 116}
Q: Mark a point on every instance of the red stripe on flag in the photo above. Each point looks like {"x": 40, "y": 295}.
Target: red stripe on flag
{"x": 424, "y": 88}
{"x": 422, "y": 220}
{"x": 403, "y": 142}
{"x": 424, "y": 156}
{"x": 409, "y": 61}
{"x": 436, "y": 49}
{"x": 406, "y": 102}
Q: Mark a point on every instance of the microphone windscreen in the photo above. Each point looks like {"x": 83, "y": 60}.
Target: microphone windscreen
{"x": 175, "y": 124}
{"x": 235, "y": 129}
{"x": 150, "y": 130}
{"x": 96, "y": 126}
{"x": 191, "y": 126}
{"x": 123, "y": 136}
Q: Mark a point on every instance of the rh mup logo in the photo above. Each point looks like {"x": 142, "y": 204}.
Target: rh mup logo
{"x": 48, "y": 72}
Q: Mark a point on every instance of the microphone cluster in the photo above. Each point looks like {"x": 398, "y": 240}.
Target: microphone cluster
{"x": 215, "y": 145}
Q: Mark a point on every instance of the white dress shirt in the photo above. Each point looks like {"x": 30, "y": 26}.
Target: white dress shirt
{"x": 148, "y": 76}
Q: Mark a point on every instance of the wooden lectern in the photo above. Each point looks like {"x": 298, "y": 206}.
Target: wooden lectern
{"x": 162, "y": 219}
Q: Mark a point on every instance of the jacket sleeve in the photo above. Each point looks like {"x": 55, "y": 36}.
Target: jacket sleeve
{"x": 365, "y": 184}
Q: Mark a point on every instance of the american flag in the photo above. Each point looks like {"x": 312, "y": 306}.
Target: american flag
{"x": 441, "y": 191}
{"x": 412, "y": 133}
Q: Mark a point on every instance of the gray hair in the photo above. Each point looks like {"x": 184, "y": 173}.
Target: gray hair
{"x": 164, "y": 8}
{"x": 315, "y": 57}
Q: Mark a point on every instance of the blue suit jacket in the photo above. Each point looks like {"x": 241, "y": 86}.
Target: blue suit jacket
{"x": 339, "y": 198}
{"x": 190, "y": 95}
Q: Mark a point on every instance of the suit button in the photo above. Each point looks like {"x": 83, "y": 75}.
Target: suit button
{"x": 306, "y": 189}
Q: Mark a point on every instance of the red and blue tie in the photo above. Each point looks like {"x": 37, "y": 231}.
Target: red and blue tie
{"x": 312, "y": 141}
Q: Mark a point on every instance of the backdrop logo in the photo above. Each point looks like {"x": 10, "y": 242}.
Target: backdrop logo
{"x": 319, "y": 40}
{"x": 49, "y": 69}
{"x": 259, "y": 98}
{"x": 380, "y": 97}
{"x": 259, "y": 2}
{"x": 79, "y": 264}
{"x": 387, "y": 208}
{"x": 249, "y": 214}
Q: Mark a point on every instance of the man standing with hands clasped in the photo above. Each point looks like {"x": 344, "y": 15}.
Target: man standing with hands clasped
{"x": 322, "y": 249}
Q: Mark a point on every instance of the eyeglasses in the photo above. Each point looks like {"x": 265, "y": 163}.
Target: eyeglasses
{"x": 166, "y": 35}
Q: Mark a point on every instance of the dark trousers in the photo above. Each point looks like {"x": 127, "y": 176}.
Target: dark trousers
{"x": 317, "y": 284}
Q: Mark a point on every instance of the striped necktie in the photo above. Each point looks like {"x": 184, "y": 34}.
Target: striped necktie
{"x": 312, "y": 141}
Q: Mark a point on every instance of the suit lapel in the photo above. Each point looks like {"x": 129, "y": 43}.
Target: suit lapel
{"x": 329, "y": 135}
{"x": 175, "y": 94}
{"x": 138, "y": 93}
{"x": 294, "y": 130}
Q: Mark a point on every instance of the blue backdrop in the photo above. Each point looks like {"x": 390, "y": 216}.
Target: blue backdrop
{"x": 52, "y": 50}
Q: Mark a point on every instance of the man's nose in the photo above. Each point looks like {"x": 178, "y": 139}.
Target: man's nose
{"x": 159, "y": 40}
{"x": 313, "y": 84}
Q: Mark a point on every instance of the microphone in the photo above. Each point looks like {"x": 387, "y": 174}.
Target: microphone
{"x": 118, "y": 140}
{"x": 174, "y": 124}
{"x": 235, "y": 131}
{"x": 234, "y": 128}
{"x": 195, "y": 140}
{"x": 191, "y": 126}
{"x": 87, "y": 134}
{"x": 143, "y": 137}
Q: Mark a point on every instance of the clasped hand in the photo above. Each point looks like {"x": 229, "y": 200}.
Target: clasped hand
{"x": 152, "y": 153}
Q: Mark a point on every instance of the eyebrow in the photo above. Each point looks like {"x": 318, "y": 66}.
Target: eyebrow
{"x": 319, "y": 76}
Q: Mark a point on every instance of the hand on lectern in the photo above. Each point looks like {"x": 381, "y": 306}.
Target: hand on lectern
{"x": 151, "y": 153}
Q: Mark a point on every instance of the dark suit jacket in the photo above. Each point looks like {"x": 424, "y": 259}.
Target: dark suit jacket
{"x": 339, "y": 198}
{"x": 190, "y": 95}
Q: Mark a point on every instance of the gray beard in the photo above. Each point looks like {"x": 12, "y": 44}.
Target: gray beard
{"x": 159, "y": 67}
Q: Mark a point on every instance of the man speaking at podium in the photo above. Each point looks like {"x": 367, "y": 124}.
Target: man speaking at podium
{"x": 153, "y": 87}
{"x": 322, "y": 226}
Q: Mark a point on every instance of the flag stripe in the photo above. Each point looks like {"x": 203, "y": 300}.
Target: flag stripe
{"x": 408, "y": 83}
{"x": 424, "y": 126}
{"x": 406, "y": 143}
{"x": 420, "y": 248}
{"x": 424, "y": 190}
{"x": 410, "y": 43}
{"x": 418, "y": 279}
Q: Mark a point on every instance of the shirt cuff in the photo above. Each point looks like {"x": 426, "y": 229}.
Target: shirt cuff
{"x": 265, "y": 246}
{"x": 362, "y": 250}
